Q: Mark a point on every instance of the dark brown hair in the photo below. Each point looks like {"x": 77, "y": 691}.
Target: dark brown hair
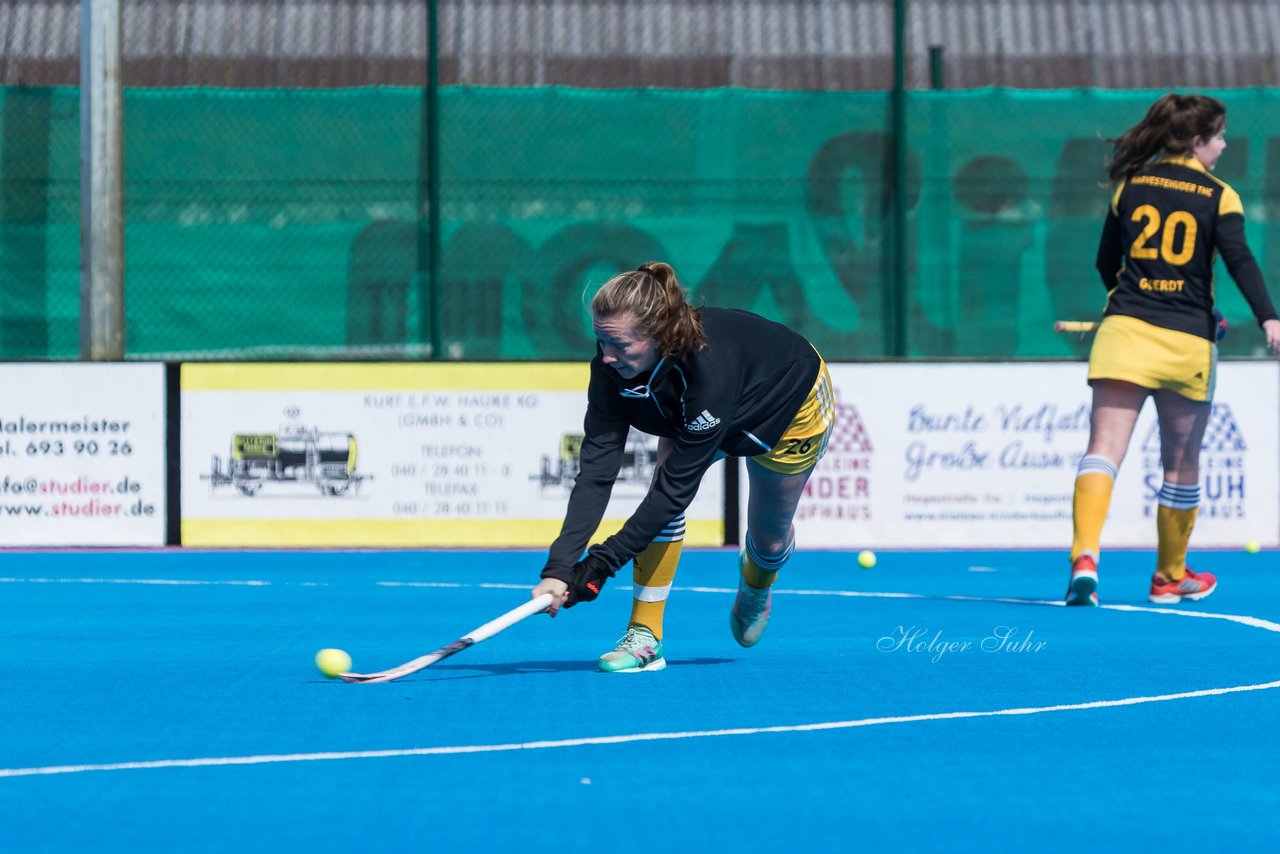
{"x": 1170, "y": 126}
{"x": 657, "y": 299}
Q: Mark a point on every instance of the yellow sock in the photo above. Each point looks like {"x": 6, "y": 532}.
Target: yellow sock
{"x": 754, "y": 574}
{"x": 653, "y": 571}
{"x": 1175, "y": 517}
{"x": 1094, "y": 481}
{"x": 760, "y": 572}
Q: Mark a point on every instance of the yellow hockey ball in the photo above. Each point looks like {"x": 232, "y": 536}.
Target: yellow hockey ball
{"x": 1253, "y": 547}
{"x": 866, "y": 558}
{"x": 331, "y": 662}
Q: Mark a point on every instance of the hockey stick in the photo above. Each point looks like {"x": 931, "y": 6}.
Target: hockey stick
{"x": 1086, "y": 326}
{"x": 488, "y": 630}
{"x": 1081, "y": 326}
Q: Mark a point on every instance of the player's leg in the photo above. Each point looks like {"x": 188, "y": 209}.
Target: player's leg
{"x": 653, "y": 572}
{"x": 1116, "y": 405}
{"x": 776, "y": 482}
{"x": 1182, "y": 425}
{"x": 767, "y": 545}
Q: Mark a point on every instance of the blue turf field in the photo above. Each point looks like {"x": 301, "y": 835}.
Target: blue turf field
{"x": 193, "y": 671}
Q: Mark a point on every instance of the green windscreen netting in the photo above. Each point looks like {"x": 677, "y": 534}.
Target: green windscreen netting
{"x": 293, "y": 223}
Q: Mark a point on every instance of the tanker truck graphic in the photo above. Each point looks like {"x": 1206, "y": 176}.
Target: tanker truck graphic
{"x": 326, "y": 460}
{"x": 639, "y": 460}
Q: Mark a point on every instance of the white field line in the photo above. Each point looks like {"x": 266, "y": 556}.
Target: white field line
{"x": 176, "y": 582}
{"x": 455, "y": 584}
{"x": 1255, "y": 622}
{"x": 617, "y": 739}
{"x": 267, "y": 759}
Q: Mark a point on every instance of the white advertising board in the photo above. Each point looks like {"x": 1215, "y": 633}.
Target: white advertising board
{"x": 985, "y": 455}
{"x": 397, "y": 455}
{"x": 82, "y": 454}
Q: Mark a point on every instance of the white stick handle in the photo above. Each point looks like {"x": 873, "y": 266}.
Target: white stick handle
{"x": 484, "y": 632}
{"x": 509, "y": 619}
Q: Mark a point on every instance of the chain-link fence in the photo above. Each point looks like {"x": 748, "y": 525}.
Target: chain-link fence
{"x": 277, "y": 192}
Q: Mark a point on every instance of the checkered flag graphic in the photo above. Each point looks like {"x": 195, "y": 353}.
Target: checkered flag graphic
{"x": 1221, "y": 436}
{"x": 849, "y": 436}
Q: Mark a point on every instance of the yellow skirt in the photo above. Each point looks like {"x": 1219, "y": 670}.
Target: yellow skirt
{"x": 805, "y": 439}
{"x": 1134, "y": 351}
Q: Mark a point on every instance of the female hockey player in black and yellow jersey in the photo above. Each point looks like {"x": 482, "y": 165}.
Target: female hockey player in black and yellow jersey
{"x": 1169, "y": 218}
{"x": 710, "y": 383}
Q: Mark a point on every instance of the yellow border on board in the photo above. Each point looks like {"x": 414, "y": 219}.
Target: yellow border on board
{"x": 385, "y": 376}
{"x": 339, "y": 533}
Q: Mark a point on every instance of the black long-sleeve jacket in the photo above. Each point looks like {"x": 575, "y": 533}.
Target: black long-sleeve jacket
{"x": 737, "y": 395}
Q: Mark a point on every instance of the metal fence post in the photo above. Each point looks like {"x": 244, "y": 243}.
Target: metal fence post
{"x": 101, "y": 183}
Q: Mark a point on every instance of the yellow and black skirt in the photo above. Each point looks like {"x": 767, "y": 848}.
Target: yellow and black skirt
{"x": 1132, "y": 350}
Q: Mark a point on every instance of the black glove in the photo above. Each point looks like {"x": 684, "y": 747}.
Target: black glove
{"x": 589, "y": 576}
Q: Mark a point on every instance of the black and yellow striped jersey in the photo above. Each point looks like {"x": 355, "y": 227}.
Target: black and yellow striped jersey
{"x": 1166, "y": 226}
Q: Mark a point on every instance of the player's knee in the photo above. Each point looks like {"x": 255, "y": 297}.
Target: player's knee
{"x": 769, "y": 552}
